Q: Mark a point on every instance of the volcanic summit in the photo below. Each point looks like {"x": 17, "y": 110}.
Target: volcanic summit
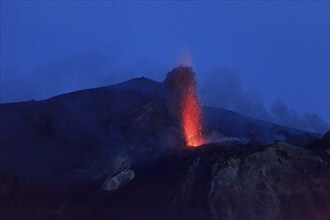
{"x": 128, "y": 151}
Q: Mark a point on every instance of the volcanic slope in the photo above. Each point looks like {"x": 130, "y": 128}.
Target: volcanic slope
{"x": 83, "y": 153}
{"x": 226, "y": 181}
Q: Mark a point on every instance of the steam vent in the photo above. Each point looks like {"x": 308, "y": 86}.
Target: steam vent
{"x": 130, "y": 151}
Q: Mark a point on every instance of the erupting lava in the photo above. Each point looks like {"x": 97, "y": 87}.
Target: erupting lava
{"x": 182, "y": 84}
{"x": 191, "y": 118}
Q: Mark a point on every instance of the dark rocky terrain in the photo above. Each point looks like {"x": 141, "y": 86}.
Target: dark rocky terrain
{"x": 116, "y": 152}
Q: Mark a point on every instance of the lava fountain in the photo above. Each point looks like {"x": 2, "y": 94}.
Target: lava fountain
{"x": 182, "y": 84}
{"x": 191, "y": 118}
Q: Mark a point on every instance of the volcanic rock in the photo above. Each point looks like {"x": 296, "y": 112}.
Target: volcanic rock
{"x": 322, "y": 146}
{"x": 280, "y": 181}
{"x": 56, "y": 155}
{"x": 121, "y": 179}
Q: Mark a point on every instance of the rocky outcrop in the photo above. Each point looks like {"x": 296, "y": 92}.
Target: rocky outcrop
{"x": 118, "y": 181}
{"x": 226, "y": 181}
{"x": 273, "y": 183}
{"x": 279, "y": 181}
{"x": 322, "y": 146}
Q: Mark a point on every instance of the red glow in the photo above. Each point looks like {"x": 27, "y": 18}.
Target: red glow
{"x": 191, "y": 117}
{"x": 184, "y": 103}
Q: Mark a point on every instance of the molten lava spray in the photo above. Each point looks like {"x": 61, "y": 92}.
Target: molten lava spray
{"x": 181, "y": 82}
{"x": 191, "y": 118}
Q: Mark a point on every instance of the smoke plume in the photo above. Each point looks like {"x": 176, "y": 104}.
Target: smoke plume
{"x": 224, "y": 89}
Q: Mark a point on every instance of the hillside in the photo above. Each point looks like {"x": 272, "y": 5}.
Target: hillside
{"x": 118, "y": 151}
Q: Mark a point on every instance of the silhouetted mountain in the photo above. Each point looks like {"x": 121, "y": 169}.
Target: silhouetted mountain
{"x": 116, "y": 152}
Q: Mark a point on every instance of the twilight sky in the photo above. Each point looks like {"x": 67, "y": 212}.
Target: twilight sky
{"x": 266, "y": 59}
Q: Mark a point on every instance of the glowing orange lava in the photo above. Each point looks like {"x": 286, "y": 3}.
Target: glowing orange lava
{"x": 185, "y": 105}
{"x": 192, "y": 117}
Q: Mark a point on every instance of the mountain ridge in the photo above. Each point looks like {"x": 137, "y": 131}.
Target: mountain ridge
{"x": 118, "y": 152}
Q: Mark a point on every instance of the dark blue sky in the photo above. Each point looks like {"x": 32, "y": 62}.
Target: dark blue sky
{"x": 269, "y": 59}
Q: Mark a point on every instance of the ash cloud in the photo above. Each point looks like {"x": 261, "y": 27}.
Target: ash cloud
{"x": 81, "y": 70}
{"x": 65, "y": 74}
{"x": 178, "y": 81}
{"x": 224, "y": 89}
{"x": 284, "y": 115}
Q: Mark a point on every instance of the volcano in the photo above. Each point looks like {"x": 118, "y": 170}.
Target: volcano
{"x": 121, "y": 152}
